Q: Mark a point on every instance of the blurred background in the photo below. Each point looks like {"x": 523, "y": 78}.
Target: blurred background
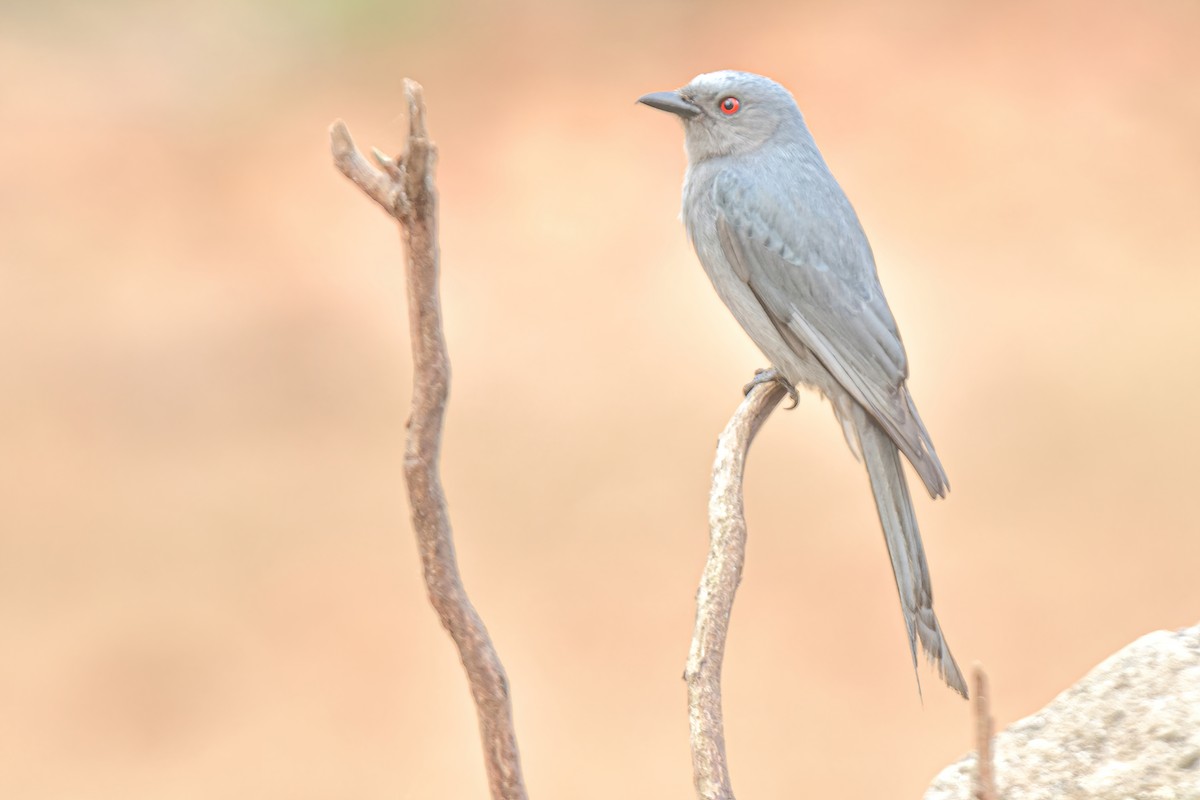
{"x": 208, "y": 582}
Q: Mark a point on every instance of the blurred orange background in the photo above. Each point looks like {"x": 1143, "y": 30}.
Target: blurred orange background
{"x": 208, "y": 582}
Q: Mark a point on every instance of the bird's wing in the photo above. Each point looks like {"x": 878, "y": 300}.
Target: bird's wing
{"x": 815, "y": 277}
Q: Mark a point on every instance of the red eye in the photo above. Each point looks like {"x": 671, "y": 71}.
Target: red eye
{"x": 730, "y": 105}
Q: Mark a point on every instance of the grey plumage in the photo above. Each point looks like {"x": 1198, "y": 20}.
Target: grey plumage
{"x": 785, "y": 251}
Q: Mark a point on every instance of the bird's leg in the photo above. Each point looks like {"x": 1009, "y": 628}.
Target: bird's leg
{"x": 772, "y": 374}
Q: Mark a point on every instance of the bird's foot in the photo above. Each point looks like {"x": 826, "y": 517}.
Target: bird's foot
{"x": 769, "y": 375}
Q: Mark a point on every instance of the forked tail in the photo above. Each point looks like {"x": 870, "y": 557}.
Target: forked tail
{"x": 903, "y": 538}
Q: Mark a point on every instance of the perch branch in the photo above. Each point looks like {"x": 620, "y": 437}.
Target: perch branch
{"x": 985, "y": 728}
{"x": 405, "y": 189}
{"x": 714, "y": 600}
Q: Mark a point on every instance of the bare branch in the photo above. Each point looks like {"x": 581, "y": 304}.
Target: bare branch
{"x": 714, "y": 601}
{"x": 985, "y": 729}
{"x": 378, "y": 186}
{"x": 405, "y": 189}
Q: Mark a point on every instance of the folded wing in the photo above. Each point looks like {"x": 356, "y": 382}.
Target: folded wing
{"x": 815, "y": 277}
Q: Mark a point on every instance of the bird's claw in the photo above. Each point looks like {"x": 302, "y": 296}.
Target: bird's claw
{"x": 769, "y": 375}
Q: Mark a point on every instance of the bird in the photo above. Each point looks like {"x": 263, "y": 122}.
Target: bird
{"x": 785, "y": 251}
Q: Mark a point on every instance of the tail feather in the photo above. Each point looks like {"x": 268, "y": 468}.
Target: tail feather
{"x": 903, "y": 539}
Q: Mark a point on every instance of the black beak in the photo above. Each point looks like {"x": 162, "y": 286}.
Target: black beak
{"x": 670, "y": 101}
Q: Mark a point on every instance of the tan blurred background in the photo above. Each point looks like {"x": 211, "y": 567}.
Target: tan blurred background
{"x": 208, "y": 584}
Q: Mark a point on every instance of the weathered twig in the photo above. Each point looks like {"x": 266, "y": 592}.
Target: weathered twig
{"x": 405, "y": 189}
{"x": 985, "y": 729}
{"x": 714, "y": 601}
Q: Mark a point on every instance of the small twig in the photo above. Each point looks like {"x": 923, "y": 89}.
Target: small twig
{"x": 985, "y": 728}
{"x": 714, "y": 601}
{"x": 405, "y": 189}
{"x": 380, "y": 187}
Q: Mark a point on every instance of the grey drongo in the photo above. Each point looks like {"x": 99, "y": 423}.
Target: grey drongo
{"x": 785, "y": 251}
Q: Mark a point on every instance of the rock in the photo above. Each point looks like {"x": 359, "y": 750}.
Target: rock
{"x": 1129, "y": 730}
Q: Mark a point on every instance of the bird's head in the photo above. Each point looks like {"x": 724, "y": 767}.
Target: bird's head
{"x": 729, "y": 113}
